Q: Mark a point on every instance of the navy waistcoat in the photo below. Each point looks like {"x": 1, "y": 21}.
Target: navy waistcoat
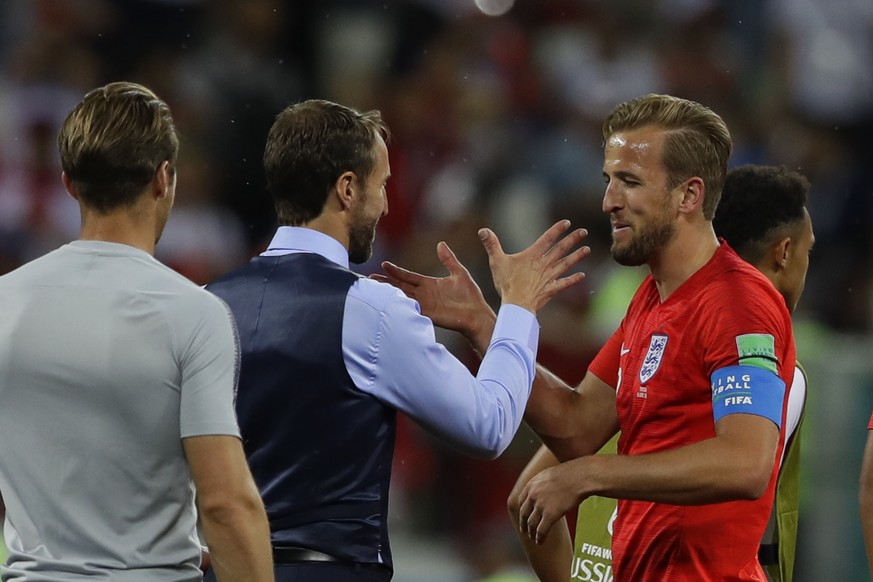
{"x": 320, "y": 450}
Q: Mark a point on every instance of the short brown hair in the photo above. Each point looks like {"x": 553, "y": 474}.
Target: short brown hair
{"x": 309, "y": 146}
{"x": 697, "y": 143}
{"x": 112, "y": 143}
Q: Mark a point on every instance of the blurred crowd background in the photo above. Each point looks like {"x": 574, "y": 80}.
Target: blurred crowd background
{"x": 495, "y": 108}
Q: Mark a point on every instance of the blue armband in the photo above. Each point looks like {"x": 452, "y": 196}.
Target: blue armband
{"x": 747, "y": 390}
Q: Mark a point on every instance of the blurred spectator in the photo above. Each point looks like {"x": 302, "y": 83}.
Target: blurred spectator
{"x": 202, "y": 240}
{"x": 44, "y": 74}
{"x": 240, "y": 76}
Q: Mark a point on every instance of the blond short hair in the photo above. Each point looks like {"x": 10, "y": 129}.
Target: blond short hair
{"x": 112, "y": 143}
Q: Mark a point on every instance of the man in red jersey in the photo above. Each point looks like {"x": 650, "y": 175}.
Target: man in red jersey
{"x": 695, "y": 377}
{"x": 762, "y": 215}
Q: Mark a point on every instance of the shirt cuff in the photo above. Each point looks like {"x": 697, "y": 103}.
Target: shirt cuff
{"x": 517, "y": 323}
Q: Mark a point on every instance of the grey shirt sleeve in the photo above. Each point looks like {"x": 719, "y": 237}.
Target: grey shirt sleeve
{"x": 210, "y": 369}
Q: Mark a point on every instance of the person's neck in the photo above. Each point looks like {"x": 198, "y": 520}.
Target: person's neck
{"x": 332, "y": 225}
{"x": 120, "y": 227}
{"x": 683, "y": 256}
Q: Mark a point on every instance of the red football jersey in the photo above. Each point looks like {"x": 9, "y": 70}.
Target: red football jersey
{"x": 661, "y": 359}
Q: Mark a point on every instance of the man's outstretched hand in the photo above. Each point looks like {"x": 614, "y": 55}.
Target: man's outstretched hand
{"x": 533, "y": 276}
{"x": 454, "y": 302}
{"x": 528, "y": 279}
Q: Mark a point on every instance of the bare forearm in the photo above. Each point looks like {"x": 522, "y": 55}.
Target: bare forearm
{"x": 709, "y": 471}
{"x": 571, "y": 422}
{"x": 865, "y": 498}
{"x": 239, "y": 543}
{"x": 231, "y": 511}
{"x": 551, "y": 409}
{"x": 551, "y": 559}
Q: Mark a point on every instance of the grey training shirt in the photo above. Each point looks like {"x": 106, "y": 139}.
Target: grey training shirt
{"x": 107, "y": 360}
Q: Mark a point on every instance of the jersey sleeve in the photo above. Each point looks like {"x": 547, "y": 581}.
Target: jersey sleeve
{"x": 209, "y": 365}
{"x": 750, "y": 351}
{"x": 606, "y": 363}
{"x": 870, "y": 424}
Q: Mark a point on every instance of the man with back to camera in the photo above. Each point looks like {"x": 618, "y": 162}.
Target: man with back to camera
{"x": 329, "y": 357}
{"x": 695, "y": 377}
{"x": 762, "y": 215}
{"x": 117, "y": 378}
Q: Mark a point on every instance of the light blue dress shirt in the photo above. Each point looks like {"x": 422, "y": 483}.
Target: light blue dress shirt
{"x": 391, "y": 353}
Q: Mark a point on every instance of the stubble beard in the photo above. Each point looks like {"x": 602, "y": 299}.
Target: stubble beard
{"x": 649, "y": 240}
{"x": 362, "y": 235}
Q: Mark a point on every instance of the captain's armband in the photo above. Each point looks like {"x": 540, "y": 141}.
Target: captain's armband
{"x": 747, "y": 390}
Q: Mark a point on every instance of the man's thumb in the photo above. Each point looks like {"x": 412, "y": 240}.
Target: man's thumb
{"x": 448, "y": 259}
{"x": 489, "y": 241}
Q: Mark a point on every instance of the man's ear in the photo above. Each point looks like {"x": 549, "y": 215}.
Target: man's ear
{"x": 693, "y": 195}
{"x": 345, "y": 189}
{"x": 68, "y": 185}
{"x": 163, "y": 180}
{"x": 780, "y": 252}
